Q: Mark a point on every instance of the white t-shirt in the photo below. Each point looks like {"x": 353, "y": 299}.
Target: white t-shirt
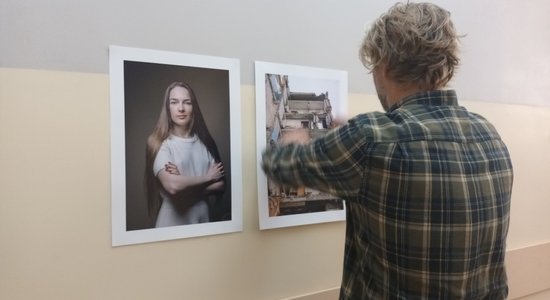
{"x": 192, "y": 159}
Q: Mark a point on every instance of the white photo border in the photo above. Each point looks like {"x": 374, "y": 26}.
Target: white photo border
{"x": 120, "y": 235}
{"x": 261, "y": 69}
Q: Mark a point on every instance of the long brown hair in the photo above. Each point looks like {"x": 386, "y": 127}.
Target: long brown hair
{"x": 161, "y": 131}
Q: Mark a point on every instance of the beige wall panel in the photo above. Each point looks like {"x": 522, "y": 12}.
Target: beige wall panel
{"x": 529, "y": 270}
{"x": 55, "y": 216}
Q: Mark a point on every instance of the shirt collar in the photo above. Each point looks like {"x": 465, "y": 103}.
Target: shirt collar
{"x": 435, "y": 98}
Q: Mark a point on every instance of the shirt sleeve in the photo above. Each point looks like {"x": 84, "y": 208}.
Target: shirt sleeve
{"x": 162, "y": 158}
{"x": 331, "y": 164}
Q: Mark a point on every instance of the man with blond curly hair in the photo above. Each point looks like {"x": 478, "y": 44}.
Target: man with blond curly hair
{"x": 427, "y": 183}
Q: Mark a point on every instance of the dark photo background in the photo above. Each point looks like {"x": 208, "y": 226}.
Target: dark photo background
{"x": 144, "y": 87}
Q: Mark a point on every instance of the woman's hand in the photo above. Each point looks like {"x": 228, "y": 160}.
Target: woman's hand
{"x": 215, "y": 172}
{"x": 171, "y": 169}
{"x": 175, "y": 183}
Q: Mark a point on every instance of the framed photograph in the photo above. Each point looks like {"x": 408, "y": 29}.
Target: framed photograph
{"x": 175, "y": 145}
{"x": 291, "y": 97}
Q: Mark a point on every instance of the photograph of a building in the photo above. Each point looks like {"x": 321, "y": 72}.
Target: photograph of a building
{"x": 288, "y": 110}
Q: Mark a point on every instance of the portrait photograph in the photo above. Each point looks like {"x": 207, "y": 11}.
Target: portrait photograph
{"x": 291, "y": 98}
{"x": 175, "y": 145}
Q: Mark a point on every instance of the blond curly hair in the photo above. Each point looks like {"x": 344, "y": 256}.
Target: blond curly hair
{"x": 416, "y": 41}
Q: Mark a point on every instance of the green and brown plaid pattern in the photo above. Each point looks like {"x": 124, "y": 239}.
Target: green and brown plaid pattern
{"x": 427, "y": 187}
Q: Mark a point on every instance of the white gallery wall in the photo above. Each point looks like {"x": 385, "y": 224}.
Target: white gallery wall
{"x": 505, "y": 48}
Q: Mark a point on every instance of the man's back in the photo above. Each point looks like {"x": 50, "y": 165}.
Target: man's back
{"x": 432, "y": 213}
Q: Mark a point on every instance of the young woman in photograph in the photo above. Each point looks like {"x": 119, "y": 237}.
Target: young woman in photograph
{"x": 183, "y": 166}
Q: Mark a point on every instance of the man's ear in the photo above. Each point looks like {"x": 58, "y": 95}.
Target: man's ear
{"x": 384, "y": 71}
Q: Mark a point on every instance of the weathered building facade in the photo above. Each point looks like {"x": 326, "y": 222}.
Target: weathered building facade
{"x": 287, "y": 111}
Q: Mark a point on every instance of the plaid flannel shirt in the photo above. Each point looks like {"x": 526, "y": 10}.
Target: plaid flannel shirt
{"x": 427, "y": 188}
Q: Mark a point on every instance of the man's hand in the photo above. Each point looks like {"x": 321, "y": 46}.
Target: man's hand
{"x": 298, "y": 136}
{"x": 338, "y": 121}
